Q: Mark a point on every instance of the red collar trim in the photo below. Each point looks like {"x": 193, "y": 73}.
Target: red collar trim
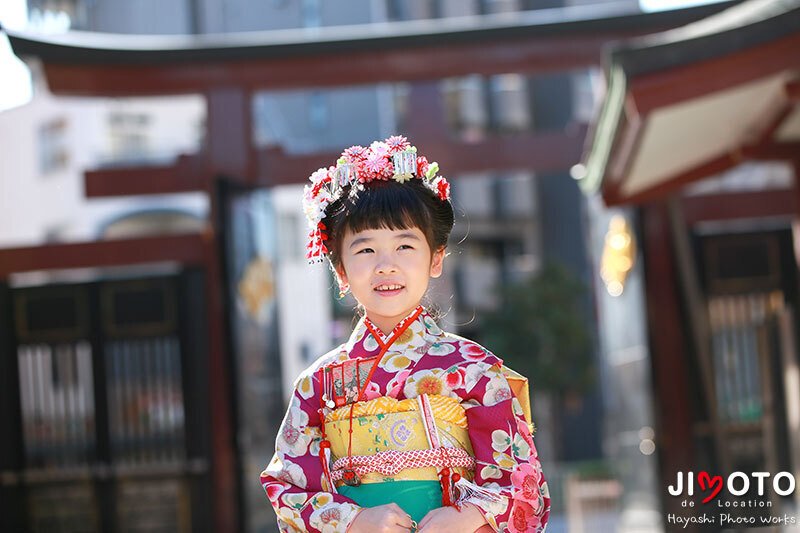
{"x": 396, "y": 332}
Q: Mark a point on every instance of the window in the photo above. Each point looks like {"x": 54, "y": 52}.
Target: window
{"x": 128, "y": 135}
{"x": 509, "y": 103}
{"x": 53, "y": 153}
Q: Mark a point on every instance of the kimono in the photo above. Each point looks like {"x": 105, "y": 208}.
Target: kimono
{"x": 420, "y": 417}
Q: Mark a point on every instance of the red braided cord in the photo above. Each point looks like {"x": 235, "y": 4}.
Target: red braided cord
{"x": 391, "y": 462}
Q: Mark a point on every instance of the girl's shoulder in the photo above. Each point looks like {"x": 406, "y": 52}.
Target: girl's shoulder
{"x": 470, "y": 350}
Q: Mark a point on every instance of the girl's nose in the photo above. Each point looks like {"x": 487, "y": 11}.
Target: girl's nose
{"x": 385, "y": 265}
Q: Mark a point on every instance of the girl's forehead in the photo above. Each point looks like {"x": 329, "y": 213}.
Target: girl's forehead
{"x": 383, "y": 233}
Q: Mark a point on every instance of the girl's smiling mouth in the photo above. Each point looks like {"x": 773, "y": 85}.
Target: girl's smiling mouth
{"x": 388, "y": 289}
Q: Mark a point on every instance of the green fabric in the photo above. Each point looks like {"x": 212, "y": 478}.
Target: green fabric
{"x": 414, "y": 497}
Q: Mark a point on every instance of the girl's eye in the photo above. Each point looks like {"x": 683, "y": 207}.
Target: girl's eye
{"x": 365, "y": 250}
{"x": 406, "y": 246}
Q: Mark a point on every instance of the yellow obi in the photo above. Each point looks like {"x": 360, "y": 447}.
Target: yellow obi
{"x": 386, "y": 423}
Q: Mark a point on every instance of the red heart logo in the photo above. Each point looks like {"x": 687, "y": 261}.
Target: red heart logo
{"x": 707, "y": 482}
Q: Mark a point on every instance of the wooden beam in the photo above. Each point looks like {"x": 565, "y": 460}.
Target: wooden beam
{"x": 224, "y": 475}
{"x": 739, "y": 205}
{"x": 542, "y": 152}
{"x": 536, "y": 152}
{"x": 617, "y": 196}
{"x": 668, "y": 87}
{"x": 526, "y": 42}
{"x": 792, "y": 90}
{"x": 614, "y": 194}
{"x": 626, "y": 145}
{"x": 184, "y": 249}
{"x": 188, "y": 173}
{"x": 325, "y": 70}
{"x": 763, "y": 129}
{"x": 772, "y": 151}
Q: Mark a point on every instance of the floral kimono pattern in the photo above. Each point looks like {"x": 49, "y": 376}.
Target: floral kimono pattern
{"x": 423, "y": 359}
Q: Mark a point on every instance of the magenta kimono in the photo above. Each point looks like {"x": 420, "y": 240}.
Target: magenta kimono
{"x": 420, "y": 417}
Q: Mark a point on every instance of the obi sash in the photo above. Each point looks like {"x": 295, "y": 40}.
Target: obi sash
{"x": 387, "y": 424}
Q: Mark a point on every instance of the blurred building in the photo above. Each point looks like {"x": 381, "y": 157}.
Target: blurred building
{"x": 699, "y": 167}
{"x": 249, "y": 244}
{"x": 49, "y": 141}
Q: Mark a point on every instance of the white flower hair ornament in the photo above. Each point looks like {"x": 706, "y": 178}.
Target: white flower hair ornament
{"x": 393, "y": 158}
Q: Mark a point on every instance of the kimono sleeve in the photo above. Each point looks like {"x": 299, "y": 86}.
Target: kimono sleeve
{"x": 509, "y": 486}
{"x": 294, "y": 479}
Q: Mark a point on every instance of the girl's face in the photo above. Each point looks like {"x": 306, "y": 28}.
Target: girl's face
{"x": 388, "y": 271}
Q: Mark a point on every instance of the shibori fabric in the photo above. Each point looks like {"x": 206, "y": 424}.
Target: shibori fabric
{"x": 474, "y": 405}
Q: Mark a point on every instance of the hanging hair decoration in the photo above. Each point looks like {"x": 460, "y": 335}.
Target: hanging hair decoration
{"x": 393, "y": 158}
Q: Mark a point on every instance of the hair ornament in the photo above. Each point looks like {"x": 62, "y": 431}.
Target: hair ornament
{"x": 394, "y": 158}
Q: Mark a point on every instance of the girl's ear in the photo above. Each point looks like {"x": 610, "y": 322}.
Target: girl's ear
{"x": 436, "y": 262}
{"x": 341, "y": 275}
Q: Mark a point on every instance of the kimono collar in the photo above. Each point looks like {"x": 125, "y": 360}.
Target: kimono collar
{"x": 419, "y": 317}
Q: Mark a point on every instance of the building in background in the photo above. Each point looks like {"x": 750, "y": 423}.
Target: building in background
{"x": 701, "y": 162}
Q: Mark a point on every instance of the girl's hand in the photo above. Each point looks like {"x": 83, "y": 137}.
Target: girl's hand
{"x": 389, "y": 518}
{"x": 450, "y": 520}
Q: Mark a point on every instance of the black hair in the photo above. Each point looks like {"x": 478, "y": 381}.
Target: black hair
{"x": 388, "y": 204}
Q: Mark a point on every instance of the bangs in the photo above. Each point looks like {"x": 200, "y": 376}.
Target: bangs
{"x": 388, "y": 205}
{"x": 391, "y": 206}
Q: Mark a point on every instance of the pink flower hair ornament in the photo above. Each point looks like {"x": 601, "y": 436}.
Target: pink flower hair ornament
{"x": 391, "y": 159}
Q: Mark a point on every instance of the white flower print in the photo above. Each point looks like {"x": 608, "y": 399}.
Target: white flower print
{"x": 491, "y": 472}
{"x": 291, "y": 518}
{"x": 293, "y": 438}
{"x": 305, "y": 387}
{"x": 522, "y": 450}
{"x": 517, "y": 407}
{"x": 496, "y": 391}
{"x": 330, "y": 517}
{"x": 321, "y": 500}
{"x": 504, "y": 461}
{"x": 295, "y": 500}
{"x": 432, "y": 327}
{"x": 313, "y": 449}
{"x": 370, "y": 344}
{"x": 291, "y": 473}
{"x": 473, "y": 374}
{"x": 441, "y": 348}
{"x": 397, "y": 361}
{"x": 501, "y": 440}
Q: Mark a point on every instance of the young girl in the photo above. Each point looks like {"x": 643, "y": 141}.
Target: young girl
{"x": 403, "y": 427}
